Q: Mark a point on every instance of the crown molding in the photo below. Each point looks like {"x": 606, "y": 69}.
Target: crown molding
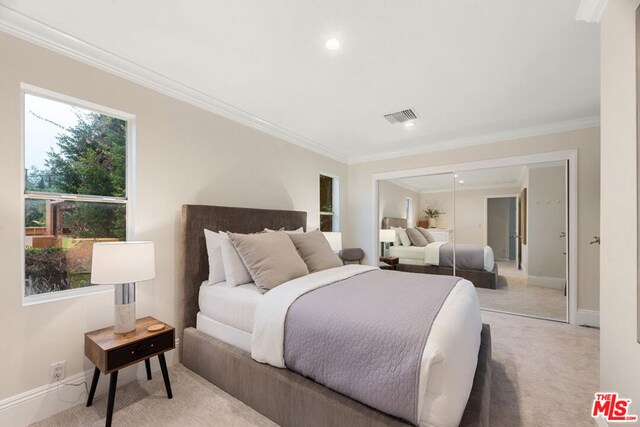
{"x": 509, "y": 135}
{"x": 591, "y": 11}
{"x": 41, "y": 34}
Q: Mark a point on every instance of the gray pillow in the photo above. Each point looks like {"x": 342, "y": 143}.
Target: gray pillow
{"x": 271, "y": 258}
{"x": 316, "y": 251}
{"x": 416, "y": 237}
{"x": 427, "y": 235}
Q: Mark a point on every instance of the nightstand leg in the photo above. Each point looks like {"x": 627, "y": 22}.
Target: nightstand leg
{"x": 165, "y": 375}
{"x": 113, "y": 382}
{"x": 94, "y": 384}
{"x": 147, "y": 364}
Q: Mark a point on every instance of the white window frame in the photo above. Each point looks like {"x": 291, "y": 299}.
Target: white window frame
{"x": 335, "y": 202}
{"x": 127, "y": 200}
{"x": 408, "y": 209}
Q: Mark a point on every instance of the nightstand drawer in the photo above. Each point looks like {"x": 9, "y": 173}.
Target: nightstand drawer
{"x": 128, "y": 354}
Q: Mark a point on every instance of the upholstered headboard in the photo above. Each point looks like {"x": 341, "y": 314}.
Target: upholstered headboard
{"x": 388, "y": 222}
{"x": 194, "y": 263}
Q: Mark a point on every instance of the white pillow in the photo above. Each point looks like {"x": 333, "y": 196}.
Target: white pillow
{"x": 404, "y": 237}
{"x": 214, "y": 252}
{"x": 234, "y": 269}
{"x": 397, "y": 242}
{"x": 298, "y": 231}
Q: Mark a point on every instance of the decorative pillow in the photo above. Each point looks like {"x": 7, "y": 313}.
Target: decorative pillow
{"x": 271, "y": 258}
{"x": 397, "y": 242}
{"x": 296, "y": 231}
{"x": 404, "y": 238}
{"x": 417, "y": 239}
{"x": 234, "y": 270}
{"x": 427, "y": 235}
{"x": 316, "y": 251}
{"x": 214, "y": 252}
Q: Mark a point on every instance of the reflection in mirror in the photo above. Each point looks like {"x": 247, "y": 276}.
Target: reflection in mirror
{"x": 511, "y": 237}
{"x": 415, "y": 230}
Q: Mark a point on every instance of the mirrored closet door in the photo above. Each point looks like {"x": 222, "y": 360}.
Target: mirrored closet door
{"x": 414, "y": 229}
{"x": 511, "y": 237}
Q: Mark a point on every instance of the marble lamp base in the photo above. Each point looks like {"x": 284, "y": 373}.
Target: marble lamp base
{"x": 125, "y": 308}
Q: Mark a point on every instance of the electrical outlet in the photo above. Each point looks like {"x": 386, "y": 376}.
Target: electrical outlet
{"x": 57, "y": 371}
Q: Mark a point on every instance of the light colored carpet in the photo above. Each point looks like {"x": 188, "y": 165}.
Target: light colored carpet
{"x": 544, "y": 374}
{"x": 514, "y": 295}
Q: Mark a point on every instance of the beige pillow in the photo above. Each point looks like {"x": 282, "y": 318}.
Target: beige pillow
{"x": 427, "y": 235}
{"x": 271, "y": 258}
{"x": 416, "y": 237}
{"x": 316, "y": 251}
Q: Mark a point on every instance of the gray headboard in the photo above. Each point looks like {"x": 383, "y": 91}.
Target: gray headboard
{"x": 194, "y": 263}
{"x": 388, "y": 222}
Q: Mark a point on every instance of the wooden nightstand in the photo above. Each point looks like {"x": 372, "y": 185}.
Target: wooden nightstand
{"x": 110, "y": 352}
{"x": 389, "y": 262}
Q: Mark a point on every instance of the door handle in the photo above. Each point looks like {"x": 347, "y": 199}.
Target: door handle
{"x": 596, "y": 239}
{"x": 562, "y": 234}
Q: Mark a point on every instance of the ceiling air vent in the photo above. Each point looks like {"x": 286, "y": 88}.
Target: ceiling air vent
{"x": 401, "y": 116}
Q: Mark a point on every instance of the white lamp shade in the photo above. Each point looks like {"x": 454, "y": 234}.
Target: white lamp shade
{"x": 334, "y": 238}
{"x": 122, "y": 262}
{"x": 387, "y": 236}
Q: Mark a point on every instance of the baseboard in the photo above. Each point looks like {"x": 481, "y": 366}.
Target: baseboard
{"x": 39, "y": 403}
{"x": 588, "y": 317}
{"x": 546, "y": 282}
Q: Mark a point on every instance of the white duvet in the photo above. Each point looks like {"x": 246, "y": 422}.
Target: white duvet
{"x": 430, "y": 254}
{"x": 450, "y": 355}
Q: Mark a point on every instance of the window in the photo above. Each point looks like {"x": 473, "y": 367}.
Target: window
{"x": 408, "y": 211}
{"x": 329, "y": 220}
{"x": 75, "y": 190}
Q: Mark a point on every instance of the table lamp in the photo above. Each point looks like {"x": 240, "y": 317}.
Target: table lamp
{"x": 387, "y": 236}
{"x": 335, "y": 239}
{"x": 122, "y": 264}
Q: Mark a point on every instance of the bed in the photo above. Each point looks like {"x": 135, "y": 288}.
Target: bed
{"x": 218, "y": 325}
{"x": 483, "y": 272}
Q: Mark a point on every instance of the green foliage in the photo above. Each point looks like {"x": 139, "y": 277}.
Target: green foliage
{"x": 431, "y": 213}
{"x": 35, "y": 213}
{"x": 45, "y": 271}
{"x": 90, "y": 159}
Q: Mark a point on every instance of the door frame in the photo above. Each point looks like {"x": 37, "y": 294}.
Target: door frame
{"x": 486, "y": 217}
{"x": 570, "y": 156}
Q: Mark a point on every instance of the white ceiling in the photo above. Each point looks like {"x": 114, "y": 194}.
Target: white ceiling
{"x": 475, "y": 71}
{"x": 502, "y": 177}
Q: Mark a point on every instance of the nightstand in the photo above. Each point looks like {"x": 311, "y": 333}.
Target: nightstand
{"x": 109, "y": 352}
{"x": 389, "y": 262}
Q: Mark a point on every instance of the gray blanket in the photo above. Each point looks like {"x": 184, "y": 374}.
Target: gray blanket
{"x": 364, "y": 336}
{"x": 468, "y": 256}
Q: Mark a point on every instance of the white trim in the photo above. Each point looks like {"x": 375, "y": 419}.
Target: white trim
{"x": 591, "y": 10}
{"x": 27, "y": 28}
{"x": 510, "y": 135}
{"x": 567, "y": 155}
{"x": 42, "y": 402}
{"x": 588, "y": 317}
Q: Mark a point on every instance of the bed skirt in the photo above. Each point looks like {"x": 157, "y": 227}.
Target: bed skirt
{"x": 480, "y": 279}
{"x": 292, "y": 400}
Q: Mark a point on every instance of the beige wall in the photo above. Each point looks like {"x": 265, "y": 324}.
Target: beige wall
{"x": 619, "y": 351}
{"x": 392, "y": 199}
{"x": 470, "y": 222}
{"x": 586, "y": 141}
{"x": 546, "y": 219}
{"x": 184, "y": 155}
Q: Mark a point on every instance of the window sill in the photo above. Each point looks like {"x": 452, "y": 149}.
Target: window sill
{"x": 65, "y": 295}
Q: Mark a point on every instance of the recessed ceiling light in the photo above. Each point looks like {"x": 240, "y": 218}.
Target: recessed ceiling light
{"x": 461, "y": 182}
{"x": 333, "y": 44}
{"x": 455, "y": 175}
{"x": 409, "y": 124}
